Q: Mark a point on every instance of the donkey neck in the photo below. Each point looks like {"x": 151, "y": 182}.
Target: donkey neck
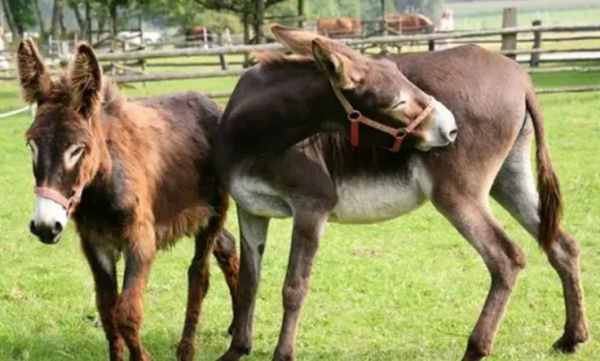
{"x": 278, "y": 106}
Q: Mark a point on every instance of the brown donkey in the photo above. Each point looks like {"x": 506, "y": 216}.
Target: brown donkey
{"x": 136, "y": 177}
{"x": 272, "y": 173}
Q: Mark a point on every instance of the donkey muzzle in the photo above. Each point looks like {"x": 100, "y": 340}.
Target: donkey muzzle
{"x": 48, "y": 221}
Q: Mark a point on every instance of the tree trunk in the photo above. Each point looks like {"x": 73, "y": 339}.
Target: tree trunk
{"x": 81, "y": 20}
{"x": 88, "y": 22}
{"x": 258, "y": 21}
{"x": 113, "y": 17}
{"x": 12, "y": 25}
{"x": 63, "y": 26}
{"x": 38, "y": 15}
{"x": 246, "y": 21}
{"x": 55, "y": 27}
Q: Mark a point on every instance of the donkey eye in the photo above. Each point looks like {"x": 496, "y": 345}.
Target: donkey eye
{"x": 73, "y": 155}
{"x": 399, "y": 103}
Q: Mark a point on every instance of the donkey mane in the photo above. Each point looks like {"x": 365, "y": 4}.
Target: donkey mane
{"x": 277, "y": 57}
{"x": 111, "y": 102}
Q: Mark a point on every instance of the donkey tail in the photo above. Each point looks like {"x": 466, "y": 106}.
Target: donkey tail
{"x": 550, "y": 206}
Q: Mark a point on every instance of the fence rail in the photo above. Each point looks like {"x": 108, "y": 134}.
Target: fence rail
{"x": 377, "y": 40}
{"x": 537, "y": 54}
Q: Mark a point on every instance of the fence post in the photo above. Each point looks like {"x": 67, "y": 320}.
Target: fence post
{"x": 509, "y": 41}
{"x": 534, "y": 60}
{"x": 384, "y": 27}
{"x": 431, "y": 43}
{"x": 222, "y": 59}
{"x": 301, "y": 13}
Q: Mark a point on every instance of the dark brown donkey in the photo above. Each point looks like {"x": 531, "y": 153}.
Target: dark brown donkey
{"x": 270, "y": 175}
{"x": 135, "y": 176}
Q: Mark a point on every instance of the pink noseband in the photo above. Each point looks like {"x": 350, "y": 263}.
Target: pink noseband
{"x": 52, "y": 194}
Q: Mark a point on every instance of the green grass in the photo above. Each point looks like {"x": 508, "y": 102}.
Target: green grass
{"x": 409, "y": 289}
{"x": 488, "y": 14}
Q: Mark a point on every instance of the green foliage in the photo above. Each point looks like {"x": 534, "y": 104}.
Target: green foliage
{"x": 23, "y": 14}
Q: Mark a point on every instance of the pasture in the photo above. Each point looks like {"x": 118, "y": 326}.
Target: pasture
{"x": 488, "y": 14}
{"x": 409, "y": 289}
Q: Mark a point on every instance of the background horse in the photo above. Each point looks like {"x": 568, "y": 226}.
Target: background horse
{"x": 342, "y": 27}
{"x": 199, "y": 34}
{"x": 411, "y": 23}
{"x": 272, "y": 173}
{"x": 135, "y": 176}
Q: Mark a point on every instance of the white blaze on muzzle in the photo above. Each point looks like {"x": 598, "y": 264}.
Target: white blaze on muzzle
{"x": 48, "y": 213}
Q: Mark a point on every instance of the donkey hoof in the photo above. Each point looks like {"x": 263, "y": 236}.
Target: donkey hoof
{"x": 570, "y": 341}
{"x": 234, "y": 354}
{"x": 566, "y": 345}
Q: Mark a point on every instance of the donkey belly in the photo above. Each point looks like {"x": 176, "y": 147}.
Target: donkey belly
{"x": 376, "y": 199}
{"x": 258, "y": 197}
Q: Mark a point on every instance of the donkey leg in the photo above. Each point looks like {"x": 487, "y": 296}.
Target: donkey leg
{"x": 129, "y": 312}
{"x": 103, "y": 266}
{"x": 306, "y": 233}
{"x": 253, "y": 231}
{"x": 199, "y": 282}
{"x": 514, "y": 188}
{"x": 503, "y": 258}
{"x": 226, "y": 255}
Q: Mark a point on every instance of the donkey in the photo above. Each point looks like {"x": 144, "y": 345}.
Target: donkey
{"x": 135, "y": 177}
{"x": 271, "y": 159}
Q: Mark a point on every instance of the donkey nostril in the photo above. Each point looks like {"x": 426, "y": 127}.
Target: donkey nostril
{"x": 57, "y": 228}
{"x": 452, "y": 134}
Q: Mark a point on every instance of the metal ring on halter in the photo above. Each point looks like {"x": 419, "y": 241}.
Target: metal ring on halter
{"x": 354, "y": 115}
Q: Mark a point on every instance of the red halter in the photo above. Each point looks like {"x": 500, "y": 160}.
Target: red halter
{"x": 355, "y": 117}
{"x": 68, "y": 204}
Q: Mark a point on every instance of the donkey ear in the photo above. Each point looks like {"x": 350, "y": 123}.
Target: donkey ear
{"x": 34, "y": 77}
{"x": 297, "y": 40}
{"x": 342, "y": 69}
{"x": 86, "y": 81}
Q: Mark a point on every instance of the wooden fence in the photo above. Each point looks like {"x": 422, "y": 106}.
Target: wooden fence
{"x": 508, "y": 37}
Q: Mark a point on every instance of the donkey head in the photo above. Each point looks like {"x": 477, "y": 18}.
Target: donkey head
{"x": 64, "y": 136}
{"x": 376, "y": 89}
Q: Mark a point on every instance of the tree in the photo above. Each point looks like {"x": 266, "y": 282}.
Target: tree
{"x": 56, "y": 14}
{"x": 249, "y": 11}
{"x": 39, "y": 17}
{"x": 12, "y": 25}
{"x": 20, "y": 15}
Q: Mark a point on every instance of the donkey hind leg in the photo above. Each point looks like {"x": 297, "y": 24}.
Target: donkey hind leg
{"x": 129, "y": 311}
{"x": 514, "y": 188}
{"x": 226, "y": 254}
{"x": 103, "y": 266}
{"x": 198, "y": 285}
{"x": 306, "y": 233}
{"x": 253, "y": 237}
{"x": 503, "y": 258}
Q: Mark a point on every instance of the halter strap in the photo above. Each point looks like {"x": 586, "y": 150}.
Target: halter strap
{"x": 52, "y": 194}
{"x": 356, "y": 118}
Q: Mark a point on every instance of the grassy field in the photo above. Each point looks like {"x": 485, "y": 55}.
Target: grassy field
{"x": 409, "y": 289}
{"x": 488, "y": 14}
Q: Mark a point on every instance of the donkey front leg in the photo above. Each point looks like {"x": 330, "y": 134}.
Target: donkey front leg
{"x": 129, "y": 313}
{"x": 503, "y": 258}
{"x": 103, "y": 265}
{"x": 253, "y": 232}
{"x": 306, "y": 233}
